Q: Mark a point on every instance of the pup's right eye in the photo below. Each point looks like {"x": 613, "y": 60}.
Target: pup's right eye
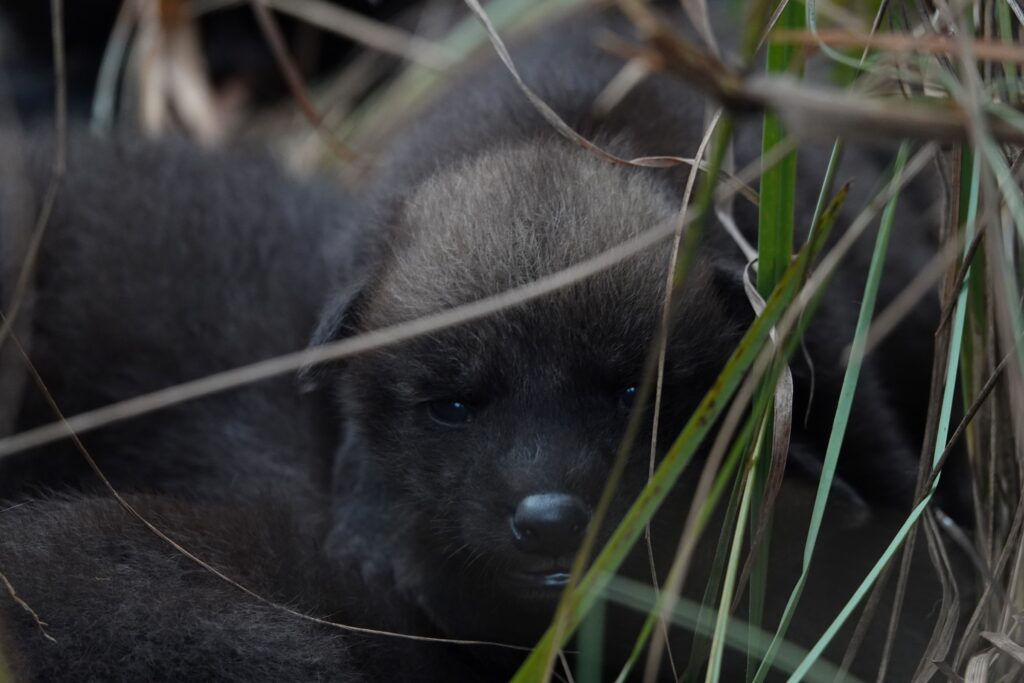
{"x": 627, "y": 398}
{"x": 449, "y": 413}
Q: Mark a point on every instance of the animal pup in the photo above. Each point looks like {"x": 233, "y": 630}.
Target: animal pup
{"x": 473, "y": 457}
{"x": 162, "y": 263}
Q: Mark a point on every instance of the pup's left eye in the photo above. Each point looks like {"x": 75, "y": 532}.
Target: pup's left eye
{"x": 627, "y": 398}
{"x": 449, "y": 413}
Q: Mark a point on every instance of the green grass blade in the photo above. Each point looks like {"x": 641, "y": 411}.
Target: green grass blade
{"x": 778, "y": 184}
{"x": 732, "y": 568}
{"x": 701, "y": 647}
{"x": 1011, "y": 194}
{"x": 774, "y": 251}
{"x": 591, "y": 646}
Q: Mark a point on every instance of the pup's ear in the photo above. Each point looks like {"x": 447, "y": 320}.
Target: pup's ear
{"x": 338, "y": 320}
{"x": 728, "y": 278}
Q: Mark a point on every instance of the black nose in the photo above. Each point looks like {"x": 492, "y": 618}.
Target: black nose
{"x": 549, "y": 524}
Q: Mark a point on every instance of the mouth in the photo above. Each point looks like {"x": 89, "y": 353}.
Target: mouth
{"x": 542, "y": 584}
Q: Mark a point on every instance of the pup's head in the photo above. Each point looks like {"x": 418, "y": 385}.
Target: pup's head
{"x": 491, "y": 441}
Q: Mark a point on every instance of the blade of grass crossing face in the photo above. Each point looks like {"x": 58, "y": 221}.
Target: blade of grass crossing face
{"x": 940, "y": 442}
{"x": 842, "y": 411}
{"x": 578, "y": 600}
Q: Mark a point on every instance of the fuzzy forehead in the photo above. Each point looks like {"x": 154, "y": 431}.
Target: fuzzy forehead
{"x": 513, "y": 215}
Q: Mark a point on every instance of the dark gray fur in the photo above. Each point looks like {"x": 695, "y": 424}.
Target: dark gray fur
{"x": 163, "y": 264}
{"x": 121, "y": 604}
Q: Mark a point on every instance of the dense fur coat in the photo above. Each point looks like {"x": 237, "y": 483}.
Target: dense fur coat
{"x": 121, "y": 604}
{"x": 163, "y": 264}
{"x": 445, "y": 438}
